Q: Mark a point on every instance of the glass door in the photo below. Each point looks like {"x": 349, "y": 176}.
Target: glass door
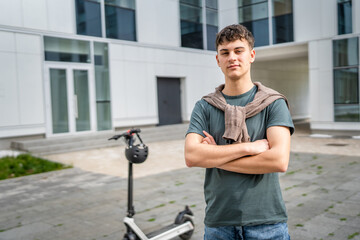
{"x": 59, "y": 102}
{"x": 71, "y": 98}
{"x": 81, "y": 100}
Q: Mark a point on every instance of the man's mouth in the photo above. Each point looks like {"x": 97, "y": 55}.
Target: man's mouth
{"x": 234, "y": 66}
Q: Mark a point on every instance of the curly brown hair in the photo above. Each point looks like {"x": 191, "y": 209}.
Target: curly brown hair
{"x": 232, "y": 33}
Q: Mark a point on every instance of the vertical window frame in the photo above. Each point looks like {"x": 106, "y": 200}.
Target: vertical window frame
{"x": 267, "y": 24}
{"x": 349, "y": 102}
{"x": 97, "y": 32}
{"x": 103, "y": 25}
{"x": 341, "y": 31}
{"x": 201, "y": 25}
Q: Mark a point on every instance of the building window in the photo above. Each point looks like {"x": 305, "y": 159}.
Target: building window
{"x": 199, "y": 24}
{"x": 270, "y": 21}
{"x": 191, "y": 24}
{"x": 66, "y": 50}
{"x": 346, "y": 80}
{"x": 120, "y": 19}
{"x": 211, "y": 23}
{"x": 344, "y": 16}
{"x": 88, "y": 17}
{"x": 102, "y": 82}
{"x": 253, "y": 14}
{"x": 282, "y": 21}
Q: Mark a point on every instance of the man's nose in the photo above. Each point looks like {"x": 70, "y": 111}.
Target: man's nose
{"x": 232, "y": 56}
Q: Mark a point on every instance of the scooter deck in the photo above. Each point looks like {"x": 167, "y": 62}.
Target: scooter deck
{"x": 171, "y": 231}
{"x": 159, "y": 231}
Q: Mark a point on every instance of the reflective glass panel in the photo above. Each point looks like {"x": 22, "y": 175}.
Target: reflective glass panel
{"x": 283, "y": 28}
{"x": 59, "y": 103}
{"x": 347, "y": 113}
{"x": 102, "y": 82}
{"x": 192, "y": 2}
{"x": 253, "y": 12}
{"x": 212, "y": 4}
{"x": 190, "y": 13}
{"x": 346, "y": 86}
{"x": 120, "y": 23}
{"x": 191, "y": 35}
{"x": 211, "y": 17}
{"x": 81, "y": 96}
{"x": 346, "y": 52}
{"x": 121, "y": 3}
{"x": 260, "y": 31}
{"x": 211, "y": 36}
{"x": 66, "y": 50}
{"x": 249, "y": 2}
{"x": 103, "y": 112}
{"x": 344, "y": 17}
{"x": 281, "y": 7}
{"x": 88, "y": 18}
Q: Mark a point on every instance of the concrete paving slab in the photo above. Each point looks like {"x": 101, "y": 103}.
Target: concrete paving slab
{"x": 89, "y": 201}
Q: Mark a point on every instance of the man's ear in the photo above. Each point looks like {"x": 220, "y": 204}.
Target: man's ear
{"x": 252, "y": 54}
{"x": 217, "y": 60}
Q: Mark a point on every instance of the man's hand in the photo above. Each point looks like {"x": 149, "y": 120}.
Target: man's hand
{"x": 208, "y": 139}
{"x": 259, "y": 146}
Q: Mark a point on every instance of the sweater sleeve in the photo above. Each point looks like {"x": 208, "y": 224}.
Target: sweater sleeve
{"x": 279, "y": 115}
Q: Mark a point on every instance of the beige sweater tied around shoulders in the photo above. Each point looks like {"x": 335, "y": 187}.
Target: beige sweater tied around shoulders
{"x": 235, "y": 116}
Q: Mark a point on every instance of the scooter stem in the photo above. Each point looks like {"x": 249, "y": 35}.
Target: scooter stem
{"x": 131, "y": 210}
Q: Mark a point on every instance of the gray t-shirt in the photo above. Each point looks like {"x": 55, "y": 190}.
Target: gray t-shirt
{"x": 235, "y": 198}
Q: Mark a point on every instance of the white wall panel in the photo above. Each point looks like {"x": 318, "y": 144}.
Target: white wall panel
{"x": 118, "y": 89}
{"x": 314, "y": 89}
{"x": 116, "y": 52}
{"x": 328, "y": 13}
{"x": 11, "y": 13}
{"x": 34, "y": 14}
{"x": 308, "y": 27}
{"x": 30, "y": 44}
{"x": 8, "y": 90}
{"x": 228, "y": 13}
{"x": 321, "y": 81}
{"x": 325, "y": 96}
{"x": 136, "y": 89}
{"x": 158, "y": 22}
{"x": 314, "y": 19}
{"x": 7, "y": 42}
{"x": 61, "y": 16}
{"x": 313, "y": 55}
{"x": 324, "y": 49}
{"x": 30, "y": 93}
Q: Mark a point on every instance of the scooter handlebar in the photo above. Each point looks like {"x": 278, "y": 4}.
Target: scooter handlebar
{"x": 128, "y": 133}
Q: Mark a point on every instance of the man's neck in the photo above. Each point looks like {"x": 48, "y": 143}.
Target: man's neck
{"x": 237, "y": 87}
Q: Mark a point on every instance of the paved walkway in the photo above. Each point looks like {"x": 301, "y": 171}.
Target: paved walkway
{"x": 321, "y": 190}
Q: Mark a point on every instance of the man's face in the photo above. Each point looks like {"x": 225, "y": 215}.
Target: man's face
{"x": 235, "y": 58}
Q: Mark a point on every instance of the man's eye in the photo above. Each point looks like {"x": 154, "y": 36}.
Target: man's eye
{"x": 225, "y": 53}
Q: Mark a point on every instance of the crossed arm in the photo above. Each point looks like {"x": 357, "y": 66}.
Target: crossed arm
{"x": 259, "y": 157}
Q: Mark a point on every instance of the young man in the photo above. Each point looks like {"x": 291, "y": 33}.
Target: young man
{"x": 241, "y": 135}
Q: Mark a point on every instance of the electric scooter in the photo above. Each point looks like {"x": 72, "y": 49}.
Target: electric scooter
{"x": 183, "y": 225}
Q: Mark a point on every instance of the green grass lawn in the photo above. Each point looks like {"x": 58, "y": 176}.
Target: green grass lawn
{"x": 25, "y": 164}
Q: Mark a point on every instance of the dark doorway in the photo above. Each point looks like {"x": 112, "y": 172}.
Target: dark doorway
{"x": 169, "y": 103}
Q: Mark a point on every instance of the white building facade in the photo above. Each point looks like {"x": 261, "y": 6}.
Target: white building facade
{"x": 72, "y": 67}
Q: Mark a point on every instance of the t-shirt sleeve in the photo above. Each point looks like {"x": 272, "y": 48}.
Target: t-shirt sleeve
{"x": 279, "y": 115}
{"x": 198, "y": 122}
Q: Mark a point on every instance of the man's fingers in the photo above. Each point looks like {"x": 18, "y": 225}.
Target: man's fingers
{"x": 206, "y": 140}
{"x": 210, "y": 137}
